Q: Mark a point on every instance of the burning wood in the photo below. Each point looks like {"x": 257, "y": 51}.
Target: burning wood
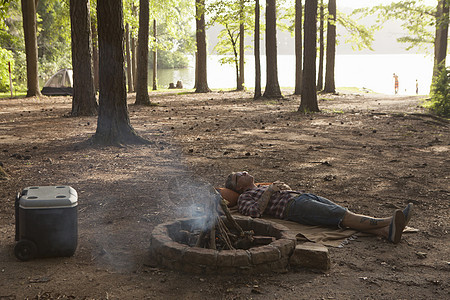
{"x": 218, "y": 236}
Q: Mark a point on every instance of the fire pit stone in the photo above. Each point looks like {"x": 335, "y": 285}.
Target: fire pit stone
{"x": 168, "y": 249}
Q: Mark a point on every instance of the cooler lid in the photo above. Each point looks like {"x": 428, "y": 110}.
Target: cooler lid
{"x": 48, "y": 197}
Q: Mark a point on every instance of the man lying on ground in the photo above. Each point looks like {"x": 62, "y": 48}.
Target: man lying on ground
{"x": 278, "y": 200}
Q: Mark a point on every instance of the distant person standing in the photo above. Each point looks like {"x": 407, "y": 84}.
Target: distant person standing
{"x": 417, "y": 87}
{"x": 396, "y": 83}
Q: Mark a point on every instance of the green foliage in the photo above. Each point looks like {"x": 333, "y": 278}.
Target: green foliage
{"x": 417, "y": 19}
{"x": 228, "y": 43}
{"x": 170, "y": 60}
{"x": 5, "y": 57}
{"x": 228, "y": 14}
{"x": 11, "y": 41}
{"x": 11, "y": 29}
{"x": 4, "y": 7}
{"x": 440, "y": 93}
{"x": 54, "y": 37}
{"x": 130, "y": 15}
{"x": 359, "y": 36}
{"x": 175, "y": 37}
{"x": 20, "y": 71}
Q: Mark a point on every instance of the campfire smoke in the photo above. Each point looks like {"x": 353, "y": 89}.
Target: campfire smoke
{"x": 217, "y": 235}
{"x": 209, "y": 239}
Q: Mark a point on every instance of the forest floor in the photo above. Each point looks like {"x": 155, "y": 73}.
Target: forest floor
{"x": 371, "y": 153}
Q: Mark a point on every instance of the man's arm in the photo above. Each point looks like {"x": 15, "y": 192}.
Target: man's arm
{"x": 273, "y": 188}
{"x": 248, "y": 205}
{"x": 264, "y": 200}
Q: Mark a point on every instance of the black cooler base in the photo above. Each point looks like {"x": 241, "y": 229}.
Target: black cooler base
{"x": 46, "y": 222}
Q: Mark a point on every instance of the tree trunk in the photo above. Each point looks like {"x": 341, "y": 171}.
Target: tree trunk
{"x": 142, "y": 97}
{"x": 134, "y": 12}
{"x": 241, "y": 49}
{"x": 113, "y": 125}
{"x": 236, "y": 69}
{"x": 331, "y": 48}
{"x": 272, "y": 86}
{"x": 321, "y": 49}
{"x": 129, "y": 64}
{"x": 83, "y": 102}
{"x": 95, "y": 55}
{"x": 31, "y": 49}
{"x": 298, "y": 47}
{"x": 234, "y": 46}
{"x": 236, "y": 60}
{"x": 196, "y": 70}
{"x": 257, "y": 52}
{"x": 155, "y": 60}
{"x": 241, "y": 59}
{"x": 202, "y": 77}
{"x": 440, "y": 43}
{"x": 309, "y": 91}
{"x": 134, "y": 62}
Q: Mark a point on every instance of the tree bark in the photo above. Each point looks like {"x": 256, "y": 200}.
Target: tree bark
{"x": 142, "y": 97}
{"x": 272, "y": 86}
{"x": 331, "y": 48}
{"x": 134, "y": 62}
{"x": 298, "y": 47}
{"x": 257, "y": 52}
{"x": 155, "y": 60}
{"x": 309, "y": 89}
{"x": 129, "y": 64}
{"x": 134, "y": 11}
{"x": 241, "y": 49}
{"x": 113, "y": 125}
{"x": 31, "y": 49}
{"x": 201, "y": 85}
{"x": 83, "y": 102}
{"x": 236, "y": 56}
{"x": 196, "y": 70}
{"x": 321, "y": 48}
{"x": 95, "y": 55}
{"x": 440, "y": 43}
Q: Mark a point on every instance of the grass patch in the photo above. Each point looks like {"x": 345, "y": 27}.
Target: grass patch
{"x": 334, "y": 111}
{"x": 354, "y": 90}
{"x": 271, "y": 102}
{"x": 16, "y": 94}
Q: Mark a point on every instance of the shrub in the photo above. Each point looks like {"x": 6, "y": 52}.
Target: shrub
{"x": 440, "y": 93}
{"x": 5, "y": 57}
{"x": 170, "y": 60}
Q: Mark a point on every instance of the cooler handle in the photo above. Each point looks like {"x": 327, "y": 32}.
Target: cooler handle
{"x": 16, "y": 208}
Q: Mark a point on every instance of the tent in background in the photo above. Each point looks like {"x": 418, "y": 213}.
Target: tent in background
{"x": 60, "y": 84}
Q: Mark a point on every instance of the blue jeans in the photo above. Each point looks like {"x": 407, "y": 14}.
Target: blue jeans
{"x": 310, "y": 209}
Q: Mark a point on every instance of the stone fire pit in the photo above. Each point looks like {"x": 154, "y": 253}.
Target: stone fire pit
{"x": 169, "y": 249}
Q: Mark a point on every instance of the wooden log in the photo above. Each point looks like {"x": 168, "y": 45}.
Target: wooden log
{"x": 200, "y": 240}
{"x": 212, "y": 238}
{"x": 230, "y": 218}
{"x": 262, "y": 240}
{"x": 225, "y": 234}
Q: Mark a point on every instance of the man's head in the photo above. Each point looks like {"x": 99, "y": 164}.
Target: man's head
{"x": 239, "y": 182}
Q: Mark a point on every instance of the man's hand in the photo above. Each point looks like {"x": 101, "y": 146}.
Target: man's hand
{"x": 273, "y": 188}
{"x": 279, "y": 186}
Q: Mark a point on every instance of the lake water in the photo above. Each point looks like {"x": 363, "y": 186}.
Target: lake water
{"x": 374, "y": 72}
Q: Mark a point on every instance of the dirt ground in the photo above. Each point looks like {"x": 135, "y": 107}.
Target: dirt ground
{"x": 370, "y": 153}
